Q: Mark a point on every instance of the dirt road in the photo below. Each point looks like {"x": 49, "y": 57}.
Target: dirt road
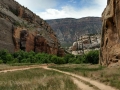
{"x": 97, "y": 84}
{"x": 80, "y": 81}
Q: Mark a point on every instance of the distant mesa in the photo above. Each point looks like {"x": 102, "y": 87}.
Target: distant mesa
{"x": 66, "y": 29}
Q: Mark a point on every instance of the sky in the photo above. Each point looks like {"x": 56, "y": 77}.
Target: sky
{"x": 55, "y": 9}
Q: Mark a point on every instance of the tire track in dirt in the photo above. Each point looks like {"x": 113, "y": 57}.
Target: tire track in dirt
{"x": 97, "y": 84}
{"x": 80, "y": 84}
{"x": 20, "y": 69}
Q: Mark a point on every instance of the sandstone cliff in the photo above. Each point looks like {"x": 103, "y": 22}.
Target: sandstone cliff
{"x": 66, "y": 29}
{"x": 20, "y": 28}
{"x": 84, "y": 44}
{"x": 110, "y": 42}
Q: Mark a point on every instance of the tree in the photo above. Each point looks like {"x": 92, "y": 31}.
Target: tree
{"x": 92, "y": 57}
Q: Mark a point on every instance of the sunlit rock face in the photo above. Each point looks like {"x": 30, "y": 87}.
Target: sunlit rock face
{"x": 84, "y": 44}
{"x": 21, "y": 29}
{"x": 110, "y": 42}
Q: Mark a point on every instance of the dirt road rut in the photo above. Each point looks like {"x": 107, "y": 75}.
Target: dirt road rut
{"x": 76, "y": 79}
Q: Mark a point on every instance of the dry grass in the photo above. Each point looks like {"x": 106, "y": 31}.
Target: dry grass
{"x": 35, "y": 79}
{"x": 16, "y": 66}
{"x": 7, "y": 67}
{"x": 109, "y": 76}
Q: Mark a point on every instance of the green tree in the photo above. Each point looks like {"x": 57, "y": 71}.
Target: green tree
{"x": 5, "y": 56}
{"x": 92, "y": 57}
{"x": 67, "y": 57}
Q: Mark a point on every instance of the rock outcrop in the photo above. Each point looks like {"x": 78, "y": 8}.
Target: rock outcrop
{"x": 66, "y": 29}
{"x": 21, "y": 29}
{"x": 110, "y": 42}
{"x": 84, "y": 44}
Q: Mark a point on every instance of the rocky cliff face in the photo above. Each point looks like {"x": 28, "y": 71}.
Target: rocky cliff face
{"x": 20, "y": 28}
{"x": 68, "y": 29}
{"x": 84, "y": 44}
{"x": 110, "y": 43}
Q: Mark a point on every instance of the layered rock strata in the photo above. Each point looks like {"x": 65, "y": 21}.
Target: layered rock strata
{"x": 68, "y": 29}
{"x": 110, "y": 42}
{"x": 21, "y": 29}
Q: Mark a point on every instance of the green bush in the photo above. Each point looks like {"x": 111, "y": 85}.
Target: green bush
{"x": 68, "y": 58}
{"x": 80, "y": 59}
{"x": 5, "y": 56}
{"x": 15, "y": 60}
{"x": 92, "y": 57}
{"x": 54, "y": 59}
{"x": 72, "y": 60}
{"x": 1, "y": 61}
{"x": 9, "y": 58}
{"x": 32, "y": 57}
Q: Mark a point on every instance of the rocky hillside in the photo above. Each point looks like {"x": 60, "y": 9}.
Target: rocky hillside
{"x": 110, "y": 43}
{"x": 21, "y": 29}
{"x": 68, "y": 29}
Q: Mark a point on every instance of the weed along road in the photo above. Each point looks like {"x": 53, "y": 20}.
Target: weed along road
{"x": 82, "y": 82}
{"x": 95, "y": 84}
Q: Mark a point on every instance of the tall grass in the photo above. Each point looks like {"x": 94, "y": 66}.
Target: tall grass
{"x": 81, "y": 69}
{"x": 109, "y": 76}
{"x": 35, "y": 79}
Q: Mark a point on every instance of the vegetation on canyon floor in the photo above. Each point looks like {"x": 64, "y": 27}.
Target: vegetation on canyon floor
{"x": 32, "y": 57}
{"x": 107, "y": 75}
{"x": 40, "y": 79}
{"x": 70, "y": 63}
{"x": 36, "y": 79}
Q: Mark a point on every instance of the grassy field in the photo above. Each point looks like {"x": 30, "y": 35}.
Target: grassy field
{"x": 108, "y": 75}
{"x": 6, "y": 67}
{"x": 35, "y": 79}
{"x": 15, "y": 66}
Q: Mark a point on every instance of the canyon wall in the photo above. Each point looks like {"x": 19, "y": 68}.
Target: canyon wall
{"x": 21, "y": 29}
{"x": 110, "y": 42}
{"x": 68, "y": 29}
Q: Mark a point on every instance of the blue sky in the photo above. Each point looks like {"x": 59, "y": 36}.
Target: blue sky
{"x": 52, "y": 9}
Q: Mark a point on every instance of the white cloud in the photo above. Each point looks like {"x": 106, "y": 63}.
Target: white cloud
{"x": 46, "y": 8}
{"x": 102, "y": 3}
{"x": 69, "y": 11}
{"x": 36, "y": 5}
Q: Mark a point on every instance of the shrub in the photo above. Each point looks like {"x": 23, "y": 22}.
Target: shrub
{"x": 60, "y": 60}
{"x": 92, "y": 57}
{"x": 1, "y": 61}
{"x": 5, "y": 56}
{"x": 9, "y": 58}
{"x": 32, "y": 57}
{"x": 72, "y": 60}
{"x": 68, "y": 58}
{"x": 54, "y": 59}
{"x": 15, "y": 60}
{"x": 80, "y": 59}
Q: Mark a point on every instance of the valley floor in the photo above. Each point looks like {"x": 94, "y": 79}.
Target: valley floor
{"x": 78, "y": 76}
